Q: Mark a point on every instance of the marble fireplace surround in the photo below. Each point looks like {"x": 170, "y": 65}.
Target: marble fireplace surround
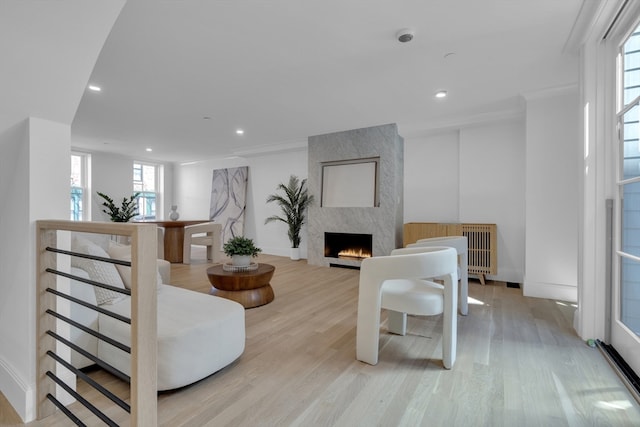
{"x": 383, "y": 222}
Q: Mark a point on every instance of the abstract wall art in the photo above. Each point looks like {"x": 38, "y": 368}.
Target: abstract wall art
{"x": 228, "y": 200}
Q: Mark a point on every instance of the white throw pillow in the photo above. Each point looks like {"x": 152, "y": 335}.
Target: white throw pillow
{"x": 98, "y": 271}
{"x": 123, "y": 252}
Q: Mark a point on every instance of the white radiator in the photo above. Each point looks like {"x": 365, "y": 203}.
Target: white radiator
{"x": 483, "y": 248}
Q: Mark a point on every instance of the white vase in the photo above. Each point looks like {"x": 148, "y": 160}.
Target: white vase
{"x": 174, "y": 215}
{"x": 295, "y": 254}
{"x": 241, "y": 260}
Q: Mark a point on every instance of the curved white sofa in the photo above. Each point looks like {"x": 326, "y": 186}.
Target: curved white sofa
{"x": 198, "y": 334}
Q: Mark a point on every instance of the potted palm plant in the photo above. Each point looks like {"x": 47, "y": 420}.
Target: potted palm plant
{"x": 240, "y": 249}
{"x": 128, "y": 210}
{"x": 293, "y": 200}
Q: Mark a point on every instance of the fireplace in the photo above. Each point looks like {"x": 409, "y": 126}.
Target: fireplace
{"x": 381, "y": 212}
{"x": 348, "y": 246}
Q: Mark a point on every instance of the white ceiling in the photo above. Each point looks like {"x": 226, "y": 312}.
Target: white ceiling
{"x": 283, "y": 70}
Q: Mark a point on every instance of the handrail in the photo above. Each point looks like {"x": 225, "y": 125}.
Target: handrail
{"x": 143, "y": 238}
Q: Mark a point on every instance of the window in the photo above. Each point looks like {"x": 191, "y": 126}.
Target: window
{"x": 145, "y": 182}
{"x": 629, "y": 182}
{"x": 79, "y": 186}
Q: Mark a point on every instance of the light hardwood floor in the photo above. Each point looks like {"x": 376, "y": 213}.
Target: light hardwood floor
{"x": 519, "y": 364}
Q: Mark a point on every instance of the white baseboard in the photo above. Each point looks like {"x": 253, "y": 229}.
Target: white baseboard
{"x": 284, "y": 252}
{"x": 23, "y": 398}
{"x": 20, "y": 395}
{"x": 550, "y": 291}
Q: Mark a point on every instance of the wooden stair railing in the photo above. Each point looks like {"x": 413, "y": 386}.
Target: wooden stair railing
{"x": 143, "y": 395}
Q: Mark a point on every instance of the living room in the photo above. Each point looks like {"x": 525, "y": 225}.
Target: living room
{"x": 511, "y": 166}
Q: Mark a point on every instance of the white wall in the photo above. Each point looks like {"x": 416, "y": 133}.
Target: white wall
{"x": 193, "y": 194}
{"x": 192, "y": 184}
{"x": 269, "y": 171}
{"x": 432, "y": 178}
{"x": 52, "y": 51}
{"x": 552, "y": 195}
{"x": 112, "y": 174}
{"x": 492, "y": 185}
{"x": 36, "y": 190}
{"x": 473, "y": 175}
{"x": 16, "y": 304}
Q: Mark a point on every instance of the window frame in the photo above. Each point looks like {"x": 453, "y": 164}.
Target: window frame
{"x": 157, "y": 192}
{"x": 84, "y": 187}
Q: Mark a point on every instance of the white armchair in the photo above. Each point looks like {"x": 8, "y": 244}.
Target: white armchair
{"x": 206, "y": 234}
{"x": 397, "y": 284}
{"x": 461, "y": 245}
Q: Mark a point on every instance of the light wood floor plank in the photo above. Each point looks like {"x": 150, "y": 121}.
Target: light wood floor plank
{"x": 519, "y": 363}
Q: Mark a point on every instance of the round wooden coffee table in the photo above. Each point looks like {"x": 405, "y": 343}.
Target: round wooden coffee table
{"x": 249, "y": 288}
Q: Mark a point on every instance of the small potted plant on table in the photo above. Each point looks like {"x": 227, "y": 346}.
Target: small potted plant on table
{"x": 240, "y": 249}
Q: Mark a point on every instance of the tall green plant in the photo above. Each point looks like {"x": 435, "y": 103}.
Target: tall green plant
{"x": 128, "y": 210}
{"x": 293, "y": 200}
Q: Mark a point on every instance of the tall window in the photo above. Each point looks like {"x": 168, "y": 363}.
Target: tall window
{"x": 79, "y": 186}
{"x": 629, "y": 182}
{"x": 145, "y": 181}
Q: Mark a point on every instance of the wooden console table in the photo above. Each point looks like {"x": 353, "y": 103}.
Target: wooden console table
{"x": 174, "y": 237}
{"x": 249, "y": 288}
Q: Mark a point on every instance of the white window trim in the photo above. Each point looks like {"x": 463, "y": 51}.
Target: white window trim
{"x": 158, "y": 183}
{"x": 85, "y": 166}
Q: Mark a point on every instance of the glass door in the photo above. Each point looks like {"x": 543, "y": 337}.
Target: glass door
{"x": 625, "y": 322}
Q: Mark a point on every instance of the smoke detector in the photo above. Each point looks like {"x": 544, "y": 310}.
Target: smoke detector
{"x": 405, "y": 35}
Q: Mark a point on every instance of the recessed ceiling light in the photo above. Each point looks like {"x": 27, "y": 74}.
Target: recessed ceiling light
{"x": 149, "y": 149}
{"x": 441, "y": 94}
{"x": 239, "y": 131}
{"x": 95, "y": 88}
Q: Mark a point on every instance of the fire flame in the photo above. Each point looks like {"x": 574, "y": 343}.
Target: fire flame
{"x": 354, "y": 253}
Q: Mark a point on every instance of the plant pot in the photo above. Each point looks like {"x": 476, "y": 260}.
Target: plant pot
{"x": 241, "y": 260}
{"x": 295, "y": 254}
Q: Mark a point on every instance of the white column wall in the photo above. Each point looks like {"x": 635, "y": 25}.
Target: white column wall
{"x": 596, "y": 183}
{"x": 35, "y": 174}
{"x": 17, "y": 302}
{"x": 552, "y": 195}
